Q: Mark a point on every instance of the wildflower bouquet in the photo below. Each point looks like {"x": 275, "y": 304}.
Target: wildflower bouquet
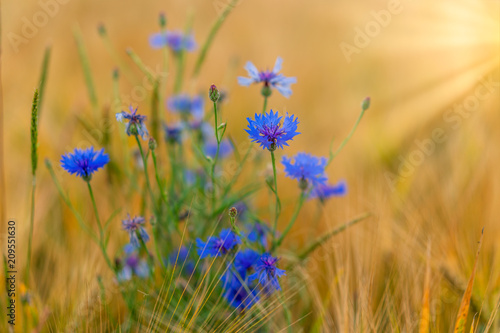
{"x": 207, "y": 258}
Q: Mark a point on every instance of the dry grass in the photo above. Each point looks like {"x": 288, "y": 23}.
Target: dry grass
{"x": 371, "y": 278}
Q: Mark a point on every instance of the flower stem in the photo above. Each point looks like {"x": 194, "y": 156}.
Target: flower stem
{"x": 180, "y": 70}
{"x": 148, "y": 184}
{"x": 157, "y": 176}
{"x": 275, "y": 190}
{"x": 265, "y": 105}
{"x": 291, "y": 223}
{"x": 216, "y": 124}
{"x": 339, "y": 149}
{"x": 101, "y": 230}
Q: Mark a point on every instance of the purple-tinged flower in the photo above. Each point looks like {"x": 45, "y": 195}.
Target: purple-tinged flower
{"x": 133, "y": 265}
{"x": 186, "y": 105}
{"x": 175, "y": 40}
{"x": 267, "y": 273}
{"x": 135, "y": 125}
{"x": 307, "y": 169}
{"x": 133, "y": 226}
{"x": 271, "y": 79}
{"x": 173, "y": 133}
{"x": 268, "y": 130}
{"x": 225, "y": 148}
{"x": 238, "y": 293}
{"x": 325, "y": 191}
{"x": 84, "y": 162}
{"x": 181, "y": 258}
{"x": 245, "y": 260}
{"x": 258, "y": 233}
{"x": 218, "y": 246}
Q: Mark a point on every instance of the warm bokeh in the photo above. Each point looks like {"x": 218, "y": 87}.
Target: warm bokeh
{"x": 424, "y": 160}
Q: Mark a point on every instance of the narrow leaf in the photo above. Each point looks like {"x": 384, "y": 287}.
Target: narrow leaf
{"x": 464, "y": 305}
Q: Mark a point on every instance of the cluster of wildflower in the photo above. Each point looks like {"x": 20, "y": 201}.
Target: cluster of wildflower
{"x": 251, "y": 267}
{"x": 252, "y": 272}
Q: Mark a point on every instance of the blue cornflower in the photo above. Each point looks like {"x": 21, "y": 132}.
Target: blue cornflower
{"x": 133, "y": 265}
{"x": 135, "y": 123}
{"x": 175, "y": 40}
{"x": 181, "y": 259}
{"x": 225, "y": 148}
{"x": 245, "y": 260}
{"x": 258, "y": 233}
{"x": 84, "y": 162}
{"x": 267, "y": 273}
{"x": 271, "y": 79}
{"x": 238, "y": 293}
{"x": 134, "y": 225}
{"x": 217, "y": 246}
{"x": 325, "y": 191}
{"x": 269, "y": 132}
{"x": 173, "y": 133}
{"x": 307, "y": 169}
{"x": 185, "y": 105}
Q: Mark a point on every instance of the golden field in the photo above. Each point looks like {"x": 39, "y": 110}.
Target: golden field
{"x": 424, "y": 161}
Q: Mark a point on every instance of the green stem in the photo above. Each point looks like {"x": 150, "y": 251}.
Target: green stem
{"x": 89, "y": 81}
{"x": 101, "y": 230}
{"x": 145, "y": 163}
{"x": 275, "y": 190}
{"x": 214, "y": 162}
{"x": 30, "y": 239}
{"x": 99, "y": 225}
{"x": 211, "y": 36}
{"x": 339, "y": 149}
{"x": 265, "y": 105}
{"x": 158, "y": 181}
{"x": 180, "y": 70}
{"x": 292, "y": 221}
{"x": 216, "y": 123}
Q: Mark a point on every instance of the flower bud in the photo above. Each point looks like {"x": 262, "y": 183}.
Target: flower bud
{"x": 233, "y": 212}
{"x": 162, "y": 20}
{"x": 365, "y": 104}
{"x": 152, "y": 143}
{"x": 101, "y": 29}
{"x": 213, "y": 93}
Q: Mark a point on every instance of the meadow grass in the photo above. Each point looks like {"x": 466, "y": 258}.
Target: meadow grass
{"x": 152, "y": 242}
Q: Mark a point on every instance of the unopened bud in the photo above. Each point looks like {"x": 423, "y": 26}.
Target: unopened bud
{"x": 101, "y": 29}
{"x": 152, "y": 143}
{"x": 233, "y": 212}
{"x": 162, "y": 20}
{"x": 213, "y": 93}
{"x": 365, "y": 104}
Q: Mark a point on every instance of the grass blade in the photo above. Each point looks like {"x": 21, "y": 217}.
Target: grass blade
{"x": 211, "y": 35}
{"x": 43, "y": 77}
{"x": 464, "y": 305}
{"x": 425, "y": 315}
{"x": 84, "y": 59}
{"x": 329, "y": 235}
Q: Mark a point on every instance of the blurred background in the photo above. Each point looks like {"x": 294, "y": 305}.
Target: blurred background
{"x": 424, "y": 160}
